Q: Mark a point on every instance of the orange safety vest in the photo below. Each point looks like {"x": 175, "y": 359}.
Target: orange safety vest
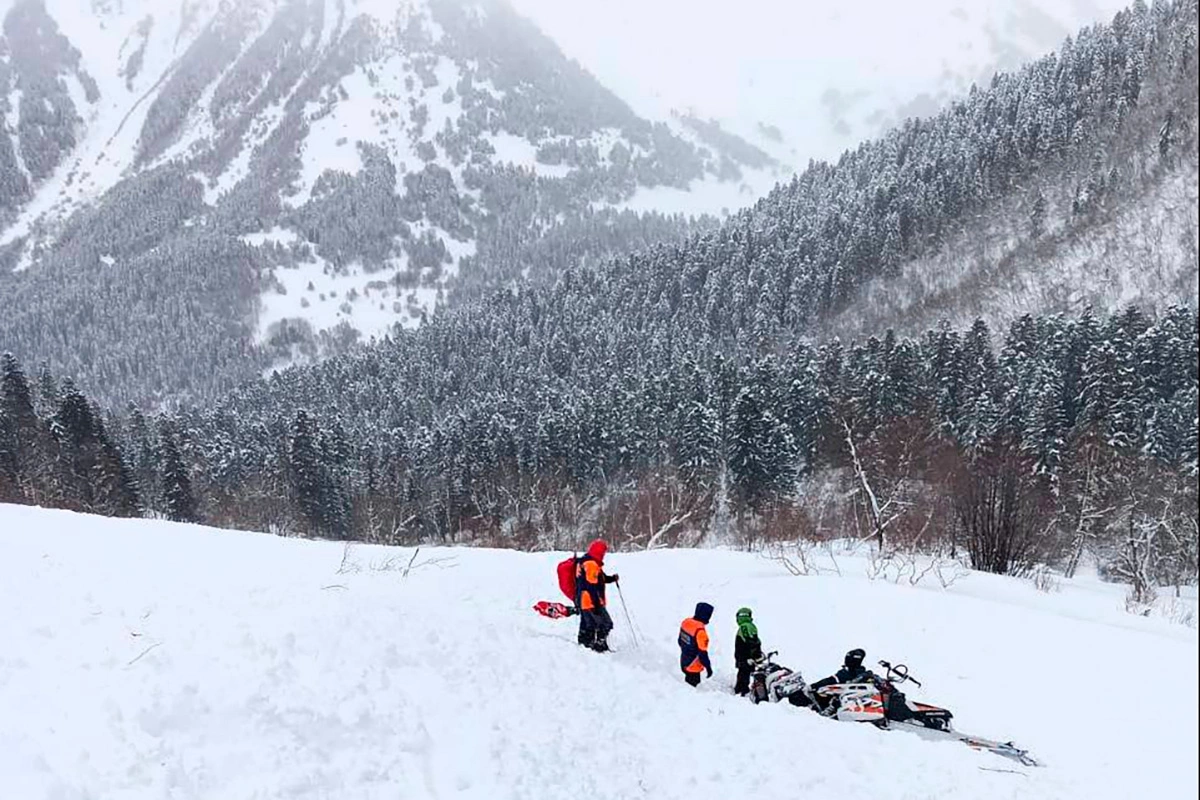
{"x": 589, "y": 580}
{"x": 693, "y": 640}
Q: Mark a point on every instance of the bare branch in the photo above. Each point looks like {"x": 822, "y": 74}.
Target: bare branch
{"x": 143, "y": 653}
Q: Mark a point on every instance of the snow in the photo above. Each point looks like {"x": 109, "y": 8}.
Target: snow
{"x": 108, "y": 137}
{"x": 145, "y": 659}
{"x": 458, "y": 250}
{"x": 520, "y": 152}
{"x": 12, "y": 119}
{"x": 327, "y": 147}
{"x": 485, "y": 84}
{"x": 239, "y": 168}
{"x": 706, "y": 196}
{"x": 277, "y": 235}
{"x": 447, "y": 74}
{"x": 332, "y": 141}
{"x": 513, "y": 149}
{"x": 329, "y": 297}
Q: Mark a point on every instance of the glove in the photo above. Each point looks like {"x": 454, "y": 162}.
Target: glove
{"x": 616, "y": 578}
{"x": 709, "y": 671}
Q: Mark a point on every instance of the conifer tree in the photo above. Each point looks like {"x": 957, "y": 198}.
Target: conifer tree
{"x": 179, "y": 500}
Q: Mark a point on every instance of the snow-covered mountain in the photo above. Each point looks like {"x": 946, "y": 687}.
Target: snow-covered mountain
{"x": 806, "y": 80}
{"x": 146, "y": 659}
{"x": 332, "y": 162}
{"x": 99, "y": 89}
{"x": 194, "y": 193}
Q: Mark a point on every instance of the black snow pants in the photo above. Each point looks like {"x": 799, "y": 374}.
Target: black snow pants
{"x": 594, "y": 627}
{"x": 742, "y": 685}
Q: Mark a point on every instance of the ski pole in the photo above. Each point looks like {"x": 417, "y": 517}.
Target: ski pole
{"x": 628, "y": 619}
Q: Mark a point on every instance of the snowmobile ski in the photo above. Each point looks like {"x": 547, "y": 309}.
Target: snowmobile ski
{"x": 1005, "y": 749}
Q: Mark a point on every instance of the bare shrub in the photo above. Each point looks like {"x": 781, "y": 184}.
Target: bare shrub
{"x": 1140, "y": 600}
{"x": 661, "y": 510}
{"x": 787, "y": 522}
{"x": 348, "y": 566}
{"x": 1179, "y": 612}
{"x": 803, "y": 557}
{"x": 1044, "y": 580}
{"x": 398, "y": 563}
{"x": 796, "y": 558}
{"x": 1003, "y": 509}
{"x": 903, "y": 566}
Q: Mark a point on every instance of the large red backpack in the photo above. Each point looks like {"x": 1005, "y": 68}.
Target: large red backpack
{"x": 566, "y": 576}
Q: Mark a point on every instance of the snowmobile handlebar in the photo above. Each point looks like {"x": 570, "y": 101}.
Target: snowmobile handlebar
{"x": 764, "y": 660}
{"x": 898, "y": 673}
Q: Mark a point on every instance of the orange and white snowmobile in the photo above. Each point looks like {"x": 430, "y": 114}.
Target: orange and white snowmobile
{"x": 876, "y": 700}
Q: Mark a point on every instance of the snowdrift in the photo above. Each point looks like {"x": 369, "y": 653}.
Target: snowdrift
{"x": 151, "y": 660}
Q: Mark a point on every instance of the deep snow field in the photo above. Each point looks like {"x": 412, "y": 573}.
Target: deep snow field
{"x": 142, "y": 659}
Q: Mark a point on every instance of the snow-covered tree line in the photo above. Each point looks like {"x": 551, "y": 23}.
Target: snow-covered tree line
{"x": 1057, "y": 146}
{"x": 1065, "y": 437}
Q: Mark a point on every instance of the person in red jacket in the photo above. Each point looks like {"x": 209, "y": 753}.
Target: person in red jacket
{"x": 590, "y": 580}
{"x": 693, "y": 645}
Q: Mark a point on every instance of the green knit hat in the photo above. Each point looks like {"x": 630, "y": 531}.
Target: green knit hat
{"x": 745, "y": 622}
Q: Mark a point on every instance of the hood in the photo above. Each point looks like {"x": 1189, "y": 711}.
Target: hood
{"x": 598, "y": 549}
{"x": 704, "y": 612}
{"x": 745, "y": 622}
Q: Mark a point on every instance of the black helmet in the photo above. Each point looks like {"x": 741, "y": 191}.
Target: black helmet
{"x": 855, "y": 658}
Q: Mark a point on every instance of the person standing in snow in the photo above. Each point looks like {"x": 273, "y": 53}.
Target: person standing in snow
{"x": 747, "y": 648}
{"x": 693, "y": 645}
{"x": 590, "y": 581}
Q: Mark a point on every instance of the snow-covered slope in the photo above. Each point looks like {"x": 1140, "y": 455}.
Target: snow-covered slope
{"x": 145, "y": 659}
{"x": 1143, "y": 252}
{"x": 806, "y": 80}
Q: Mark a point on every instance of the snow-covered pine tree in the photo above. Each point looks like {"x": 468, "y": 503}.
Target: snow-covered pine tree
{"x": 179, "y": 501}
{"x": 761, "y": 459}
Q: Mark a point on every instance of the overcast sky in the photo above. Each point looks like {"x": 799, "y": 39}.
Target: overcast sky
{"x": 830, "y": 74}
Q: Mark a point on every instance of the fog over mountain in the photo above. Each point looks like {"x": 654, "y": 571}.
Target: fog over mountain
{"x": 808, "y": 79}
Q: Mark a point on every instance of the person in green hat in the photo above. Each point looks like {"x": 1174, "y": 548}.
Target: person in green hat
{"x": 746, "y": 650}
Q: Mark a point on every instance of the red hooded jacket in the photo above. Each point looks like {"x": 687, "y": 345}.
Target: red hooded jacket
{"x": 590, "y": 578}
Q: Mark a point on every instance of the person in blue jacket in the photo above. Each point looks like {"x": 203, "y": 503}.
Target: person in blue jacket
{"x": 693, "y": 645}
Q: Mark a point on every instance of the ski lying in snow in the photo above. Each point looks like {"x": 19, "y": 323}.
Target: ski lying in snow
{"x": 1006, "y": 749}
{"x": 553, "y": 610}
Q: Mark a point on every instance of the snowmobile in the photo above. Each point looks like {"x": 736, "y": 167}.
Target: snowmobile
{"x": 876, "y": 700}
{"x": 772, "y": 682}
